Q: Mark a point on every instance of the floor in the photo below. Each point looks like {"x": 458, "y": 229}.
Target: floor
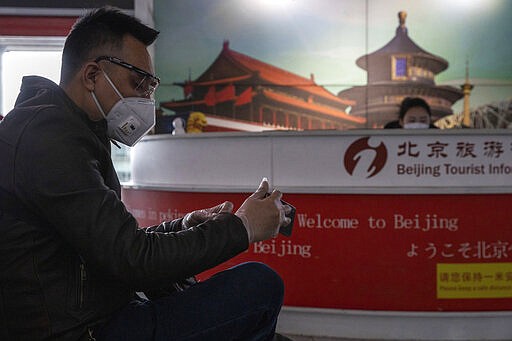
{"x": 311, "y": 338}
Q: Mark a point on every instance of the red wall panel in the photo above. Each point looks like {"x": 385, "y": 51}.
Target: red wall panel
{"x": 12, "y": 25}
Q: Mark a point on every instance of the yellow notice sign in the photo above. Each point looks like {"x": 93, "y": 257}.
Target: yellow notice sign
{"x": 474, "y": 280}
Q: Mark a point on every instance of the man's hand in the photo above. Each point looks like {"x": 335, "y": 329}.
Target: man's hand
{"x": 200, "y": 216}
{"x": 262, "y": 216}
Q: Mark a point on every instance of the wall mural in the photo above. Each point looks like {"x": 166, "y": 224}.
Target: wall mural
{"x": 328, "y": 64}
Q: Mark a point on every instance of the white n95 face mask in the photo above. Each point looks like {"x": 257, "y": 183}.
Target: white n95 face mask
{"x": 415, "y": 125}
{"x": 130, "y": 119}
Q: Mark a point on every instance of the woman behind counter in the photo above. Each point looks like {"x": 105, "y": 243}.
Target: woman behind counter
{"x": 414, "y": 114}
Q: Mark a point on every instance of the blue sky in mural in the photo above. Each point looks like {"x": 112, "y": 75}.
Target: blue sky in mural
{"x": 325, "y": 37}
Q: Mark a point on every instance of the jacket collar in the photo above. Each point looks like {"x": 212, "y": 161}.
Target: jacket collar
{"x": 39, "y": 90}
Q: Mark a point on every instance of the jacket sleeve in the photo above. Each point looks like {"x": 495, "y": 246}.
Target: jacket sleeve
{"x": 59, "y": 176}
{"x": 166, "y": 226}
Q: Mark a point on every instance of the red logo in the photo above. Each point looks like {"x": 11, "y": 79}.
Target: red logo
{"x": 354, "y": 152}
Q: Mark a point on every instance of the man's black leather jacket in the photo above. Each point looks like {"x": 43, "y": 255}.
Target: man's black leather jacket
{"x": 70, "y": 252}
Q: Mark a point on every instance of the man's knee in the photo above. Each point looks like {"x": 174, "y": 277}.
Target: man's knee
{"x": 261, "y": 276}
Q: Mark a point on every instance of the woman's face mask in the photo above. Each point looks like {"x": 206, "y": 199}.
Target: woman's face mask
{"x": 416, "y": 125}
{"x": 416, "y": 118}
{"x": 130, "y": 119}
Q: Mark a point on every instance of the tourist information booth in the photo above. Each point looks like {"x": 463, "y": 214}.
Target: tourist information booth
{"x": 396, "y": 236}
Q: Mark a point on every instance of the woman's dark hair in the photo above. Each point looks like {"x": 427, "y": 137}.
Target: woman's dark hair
{"x": 100, "y": 29}
{"x": 410, "y": 102}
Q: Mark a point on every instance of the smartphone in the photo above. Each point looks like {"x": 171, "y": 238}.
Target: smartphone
{"x": 287, "y": 230}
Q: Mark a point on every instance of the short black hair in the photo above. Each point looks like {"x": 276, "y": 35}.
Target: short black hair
{"x": 410, "y": 102}
{"x": 101, "y": 28}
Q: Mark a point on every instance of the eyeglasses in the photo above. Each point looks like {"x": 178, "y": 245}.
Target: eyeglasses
{"x": 147, "y": 84}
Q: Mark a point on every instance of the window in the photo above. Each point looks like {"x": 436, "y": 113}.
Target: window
{"x": 316, "y": 124}
{"x": 304, "y": 122}
{"x": 26, "y": 56}
{"x": 399, "y": 67}
{"x": 16, "y": 64}
{"x": 416, "y": 71}
{"x": 280, "y": 118}
{"x": 293, "y": 121}
{"x": 42, "y": 57}
{"x": 268, "y": 116}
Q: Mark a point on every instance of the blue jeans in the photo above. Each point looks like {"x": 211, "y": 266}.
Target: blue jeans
{"x": 241, "y": 303}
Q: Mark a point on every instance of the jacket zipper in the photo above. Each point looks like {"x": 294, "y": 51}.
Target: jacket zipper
{"x": 81, "y": 285}
{"x": 91, "y": 335}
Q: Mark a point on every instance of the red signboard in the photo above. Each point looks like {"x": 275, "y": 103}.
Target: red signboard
{"x": 15, "y": 25}
{"x": 423, "y": 252}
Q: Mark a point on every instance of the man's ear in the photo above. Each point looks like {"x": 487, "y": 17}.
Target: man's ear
{"x": 90, "y": 73}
